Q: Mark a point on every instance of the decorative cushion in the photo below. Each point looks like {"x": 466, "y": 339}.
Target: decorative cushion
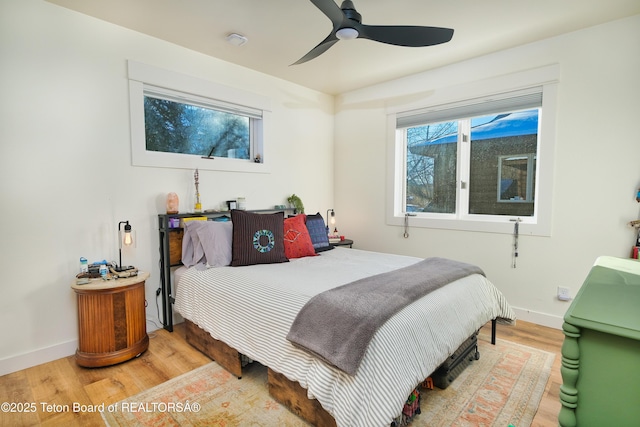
{"x": 257, "y": 238}
{"x": 207, "y": 242}
{"x": 297, "y": 242}
{"x": 216, "y": 241}
{"x": 318, "y": 232}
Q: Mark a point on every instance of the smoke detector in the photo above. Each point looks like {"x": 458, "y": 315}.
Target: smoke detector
{"x": 236, "y": 39}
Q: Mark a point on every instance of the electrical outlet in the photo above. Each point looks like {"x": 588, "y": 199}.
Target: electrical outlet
{"x": 564, "y": 294}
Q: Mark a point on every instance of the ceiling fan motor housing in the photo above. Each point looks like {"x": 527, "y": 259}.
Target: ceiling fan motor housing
{"x": 350, "y": 11}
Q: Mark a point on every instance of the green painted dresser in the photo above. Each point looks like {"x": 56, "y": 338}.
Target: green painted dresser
{"x": 601, "y": 350}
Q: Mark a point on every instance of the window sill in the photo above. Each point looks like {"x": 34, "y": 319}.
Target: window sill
{"x": 490, "y": 225}
{"x": 141, "y": 157}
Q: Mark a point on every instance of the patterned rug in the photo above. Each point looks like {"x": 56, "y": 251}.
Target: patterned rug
{"x": 503, "y": 387}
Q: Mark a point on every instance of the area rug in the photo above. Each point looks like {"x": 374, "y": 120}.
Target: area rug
{"x": 504, "y": 387}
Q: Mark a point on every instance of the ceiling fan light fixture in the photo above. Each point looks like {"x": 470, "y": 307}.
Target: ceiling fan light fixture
{"x": 236, "y": 39}
{"x": 347, "y": 25}
{"x": 347, "y": 33}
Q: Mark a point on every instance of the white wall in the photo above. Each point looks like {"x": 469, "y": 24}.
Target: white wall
{"x": 66, "y": 178}
{"x": 596, "y": 169}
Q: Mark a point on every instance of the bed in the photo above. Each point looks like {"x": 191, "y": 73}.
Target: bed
{"x": 238, "y": 310}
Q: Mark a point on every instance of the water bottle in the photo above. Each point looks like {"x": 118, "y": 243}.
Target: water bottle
{"x": 103, "y": 271}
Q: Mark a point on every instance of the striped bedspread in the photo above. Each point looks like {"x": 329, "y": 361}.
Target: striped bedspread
{"x": 252, "y": 309}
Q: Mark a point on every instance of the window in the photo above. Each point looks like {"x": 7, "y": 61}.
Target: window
{"x": 474, "y": 165}
{"x": 516, "y": 178}
{"x": 197, "y": 128}
{"x": 182, "y": 122}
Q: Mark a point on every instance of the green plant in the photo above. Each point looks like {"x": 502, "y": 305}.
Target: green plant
{"x": 296, "y": 203}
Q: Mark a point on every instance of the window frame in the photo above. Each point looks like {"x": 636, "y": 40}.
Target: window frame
{"x": 145, "y": 79}
{"x": 530, "y": 190}
{"x": 545, "y": 80}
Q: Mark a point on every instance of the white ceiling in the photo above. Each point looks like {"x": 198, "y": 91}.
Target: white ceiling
{"x": 282, "y": 31}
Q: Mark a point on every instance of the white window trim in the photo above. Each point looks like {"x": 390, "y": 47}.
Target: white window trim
{"x": 143, "y": 76}
{"x": 540, "y": 223}
{"x": 530, "y": 174}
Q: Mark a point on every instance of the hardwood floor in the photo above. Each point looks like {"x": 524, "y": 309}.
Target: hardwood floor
{"x": 52, "y": 389}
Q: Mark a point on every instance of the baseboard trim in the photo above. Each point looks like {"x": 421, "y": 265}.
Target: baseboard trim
{"x": 37, "y": 357}
{"x": 538, "y": 318}
{"x": 27, "y": 360}
{"x": 49, "y": 354}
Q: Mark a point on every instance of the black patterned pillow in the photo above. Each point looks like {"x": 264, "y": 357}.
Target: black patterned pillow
{"x": 318, "y": 232}
{"x": 257, "y": 238}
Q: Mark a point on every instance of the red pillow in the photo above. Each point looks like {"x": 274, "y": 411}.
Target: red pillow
{"x": 297, "y": 241}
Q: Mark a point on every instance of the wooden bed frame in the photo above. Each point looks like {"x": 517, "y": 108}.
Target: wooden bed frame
{"x": 289, "y": 393}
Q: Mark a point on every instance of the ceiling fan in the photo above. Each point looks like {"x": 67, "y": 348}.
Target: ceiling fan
{"x": 347, "y": 25}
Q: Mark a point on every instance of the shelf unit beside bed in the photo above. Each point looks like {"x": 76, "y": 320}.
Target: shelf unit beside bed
{"x": 170, "y": 239}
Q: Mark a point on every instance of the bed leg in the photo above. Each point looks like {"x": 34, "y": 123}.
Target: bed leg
{"x": 493, "y": 331}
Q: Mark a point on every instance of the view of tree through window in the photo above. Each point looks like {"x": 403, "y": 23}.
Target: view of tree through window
{"x": 431, "y": 172}
{"x": 499, "y": 160}
{"x": 175, "y": 127}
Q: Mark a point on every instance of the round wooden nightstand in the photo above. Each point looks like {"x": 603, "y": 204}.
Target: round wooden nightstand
{"x": 112, "y": 326}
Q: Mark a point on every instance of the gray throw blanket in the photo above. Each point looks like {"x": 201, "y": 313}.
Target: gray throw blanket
{"x": 337, "y": 325}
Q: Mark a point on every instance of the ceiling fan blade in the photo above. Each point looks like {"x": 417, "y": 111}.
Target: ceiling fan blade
{"x": 405, "y": 35}
{"x": 331, "y": 9}
{"x": 347, "y": 24}
{"x": 321, "y": 48}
